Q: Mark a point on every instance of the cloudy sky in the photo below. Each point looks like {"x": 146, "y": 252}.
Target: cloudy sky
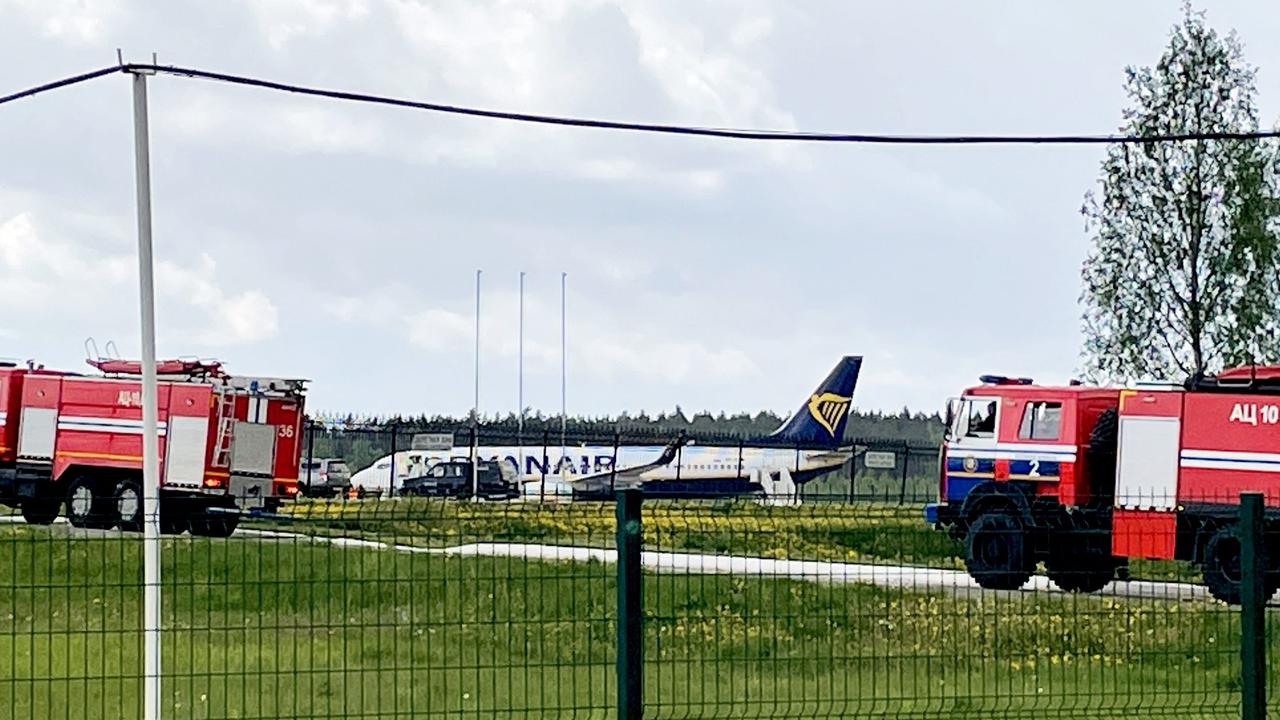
{"x": 336, "y": 242}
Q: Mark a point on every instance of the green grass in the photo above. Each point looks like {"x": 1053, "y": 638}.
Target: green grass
{"x": 825, "y": 531}
{"x": 836, "y": 531}
{"x": 304, "y": 630}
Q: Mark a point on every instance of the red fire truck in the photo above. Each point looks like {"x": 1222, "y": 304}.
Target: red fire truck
{"x": 73, "y": 443}
{"x": 1084, "y": 478}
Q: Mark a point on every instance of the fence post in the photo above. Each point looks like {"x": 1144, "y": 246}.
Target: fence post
{"x": 542, "y": 488}
{"x": 1253, "y": 600}
{"x": 630, "y": 607}
{"x": 906, "y": 456}
{"x": 613, "y": 464}
{"x": 391, "y": 482}
{"x": 311, "y": 451}
{"x": 853, "y": 474}
{"x": 475, "y": 466}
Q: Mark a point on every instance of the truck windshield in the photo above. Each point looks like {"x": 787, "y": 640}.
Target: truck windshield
{"x": 954, "y": 405}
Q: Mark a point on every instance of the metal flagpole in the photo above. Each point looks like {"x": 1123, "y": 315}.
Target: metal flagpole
{"x": 150, "y": 440}
{"x": 520, "y": 464}
{"x": 475, "y": 408}
{"x": 563, "y": 374}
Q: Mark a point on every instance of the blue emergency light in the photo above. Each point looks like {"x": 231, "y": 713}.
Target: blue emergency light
{"x": 1003, "y": 380}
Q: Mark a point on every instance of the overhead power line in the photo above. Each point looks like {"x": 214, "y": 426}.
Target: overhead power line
{"x": 59, "y": 83}
{"x": 689, "y": 130}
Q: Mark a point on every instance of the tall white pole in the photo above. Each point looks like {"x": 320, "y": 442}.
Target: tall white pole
{"x": 475, "y": 408}
{"x": 564, "y": 373}
{"x": 150, "y": 440}
{"x": 520, "y": 387}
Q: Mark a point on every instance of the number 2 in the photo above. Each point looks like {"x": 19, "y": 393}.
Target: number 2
{"x": 1035, "y": 469}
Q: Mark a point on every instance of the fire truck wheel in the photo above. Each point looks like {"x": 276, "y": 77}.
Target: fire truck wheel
{"x": 40, "y": 510}
{"x": 1221, "y": 564}
{"x": 996, "y": 552}
{"x": 87, "y": 504}
{"x": 128, "y": 515}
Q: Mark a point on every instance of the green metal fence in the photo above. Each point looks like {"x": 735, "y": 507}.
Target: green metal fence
{"x": 438, "y": 608}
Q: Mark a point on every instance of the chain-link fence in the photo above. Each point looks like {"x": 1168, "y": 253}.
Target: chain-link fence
{"x": 733, "y": 607}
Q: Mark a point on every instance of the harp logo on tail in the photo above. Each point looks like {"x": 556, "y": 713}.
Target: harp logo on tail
{"x": 827, "y": 408}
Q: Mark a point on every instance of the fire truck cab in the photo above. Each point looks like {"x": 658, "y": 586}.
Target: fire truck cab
{"x": 72, "y": 443}
{"x": 1083, "y": 478}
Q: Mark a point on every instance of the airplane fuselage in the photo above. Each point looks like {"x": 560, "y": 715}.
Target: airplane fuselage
{"x": 677, "y": 469}
{"x": 532, "y": 465}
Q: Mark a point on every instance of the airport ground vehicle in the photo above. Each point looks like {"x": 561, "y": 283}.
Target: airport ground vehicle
{"x": 72, "y": 443}
{"x": 323, "y": 477}
{"x": 453, "y": 479}
{"x": 1084, "y": 478}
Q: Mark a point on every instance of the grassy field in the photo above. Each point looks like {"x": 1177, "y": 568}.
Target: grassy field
{"x": 825, "y": 531}
{"x": 836, "y": 531}
{"x": 295, "y": 629}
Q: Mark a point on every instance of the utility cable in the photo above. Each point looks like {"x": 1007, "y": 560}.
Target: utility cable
{"x": 29, "y": 92}
{"x": 713, "y": 132}
{"x": 730, "y": 133}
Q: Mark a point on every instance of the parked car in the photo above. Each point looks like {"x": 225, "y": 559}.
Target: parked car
{"x": 323, "y": 477}
{"x": 453, "y": 479}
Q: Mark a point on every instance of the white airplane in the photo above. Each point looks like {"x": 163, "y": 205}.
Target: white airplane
{"x": 805, "y": 446}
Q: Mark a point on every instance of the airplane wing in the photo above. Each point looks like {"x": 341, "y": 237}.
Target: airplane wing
{"x": 604, "y": 482}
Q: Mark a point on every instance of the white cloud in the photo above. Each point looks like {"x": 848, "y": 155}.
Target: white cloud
{"x": 627, "y": 169}
{"x": 440, "y": 330}
{"x": 230, "y": 318}
{"x": 249, "y": 316}
{"x": 280, "y": 123}
{"x": 283, "y": 20}
{"x": 649, "y": 356}
{"x": 79, "y": 22}
{"x": 493, "y": 51}
{"x": 711, "y": 83}
{"x": 506, "y": 55}
{"x": 40, "y": 271}
{"x": 752, "y": 30}
{"x": 602, "y": 348}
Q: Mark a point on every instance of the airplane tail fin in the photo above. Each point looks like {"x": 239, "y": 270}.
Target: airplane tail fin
{"x": 821, "y": 419}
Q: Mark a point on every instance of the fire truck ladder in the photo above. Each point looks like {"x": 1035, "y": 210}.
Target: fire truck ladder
{"x": 226, "y": 424}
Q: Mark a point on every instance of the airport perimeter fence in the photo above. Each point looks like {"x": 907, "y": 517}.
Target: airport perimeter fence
{"x": 426, "y": 608}
{"x": 877, "y": 469}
